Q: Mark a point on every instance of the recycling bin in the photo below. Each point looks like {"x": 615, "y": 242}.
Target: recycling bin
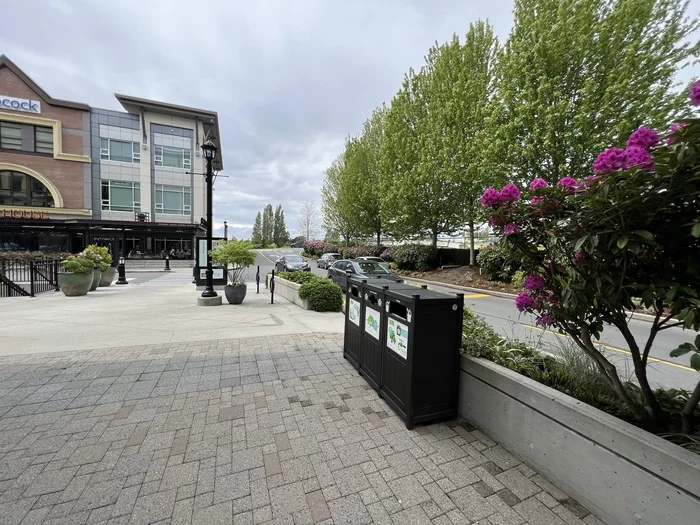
{"x": 420, "y": 357}
{"x": 363, "y": 321}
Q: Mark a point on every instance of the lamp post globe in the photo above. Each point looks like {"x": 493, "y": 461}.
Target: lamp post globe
{"x": 209, "y": 151}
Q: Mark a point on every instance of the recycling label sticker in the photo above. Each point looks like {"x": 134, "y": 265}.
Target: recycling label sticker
{"x": 354, "y": 312}
{"x": 372, "y": 322}
{"x": 397, "y": 337}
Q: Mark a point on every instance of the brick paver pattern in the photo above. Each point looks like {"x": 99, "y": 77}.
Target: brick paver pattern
{"x": 267, "y": 430}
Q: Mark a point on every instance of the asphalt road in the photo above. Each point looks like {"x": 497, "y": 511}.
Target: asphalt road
{"x": 664, "y": 371}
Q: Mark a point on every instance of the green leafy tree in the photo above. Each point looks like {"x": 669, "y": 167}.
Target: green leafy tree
{"x": 257, "y": 237}
{"x": 363, "y": 175}
{"x": 280, "y": 235}
{"x": 577, "y": 75}
{"x": 335, "y": 202}
{"x": 268, "y": 224}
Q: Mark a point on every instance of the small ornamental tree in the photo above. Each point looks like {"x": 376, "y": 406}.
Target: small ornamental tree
{"x": 593, "y": 249}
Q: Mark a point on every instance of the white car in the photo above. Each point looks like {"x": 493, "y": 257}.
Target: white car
{"x": 378, "y": 260}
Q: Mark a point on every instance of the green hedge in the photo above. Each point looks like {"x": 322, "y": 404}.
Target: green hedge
{"x": 323, "y": 295}
{"x": 496, "y": 264}
{"x": 296, "y": 277}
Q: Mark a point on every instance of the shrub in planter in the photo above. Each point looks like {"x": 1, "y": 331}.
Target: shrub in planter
{"x": 76, "y": 275}
{"x": 419, "y": 257}
{"x": 323, "y": 295}
{"x": 592, "y": 247}
{"x": 297, "y": 277}
{"x": 235, "y": 256}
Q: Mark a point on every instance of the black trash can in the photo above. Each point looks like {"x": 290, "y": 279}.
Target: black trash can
{"x": 420, "y": 357}
{"x": 353, "y": 322}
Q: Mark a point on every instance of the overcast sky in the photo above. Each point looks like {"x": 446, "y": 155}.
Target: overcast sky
{"x": 289, "y": 79}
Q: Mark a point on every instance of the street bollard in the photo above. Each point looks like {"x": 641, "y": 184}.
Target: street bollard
{"x": 167, "y": 263}
{"x": 257, "y": 279}
{"x": 121, "y": 268}
{"x": 272, "y": 288}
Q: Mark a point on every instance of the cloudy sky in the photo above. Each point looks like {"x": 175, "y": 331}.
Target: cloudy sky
{"x": 289, "y": 79}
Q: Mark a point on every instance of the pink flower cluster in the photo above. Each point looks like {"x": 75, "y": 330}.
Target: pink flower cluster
{"x": 525, "y": 301}
{"x": 544, "y": 320}
{"x": 644, "y": 138}
{"x": 511, "y": 228}
{"x": 568, "y": 183}
{"x": 534, "y": 282}
{"x": 695, "y": 93}
{"x": 637, "y": 153}
{"x": 612, "y": 159}
{"x": 537, "y": 184}
{"x": 492, "y": 198}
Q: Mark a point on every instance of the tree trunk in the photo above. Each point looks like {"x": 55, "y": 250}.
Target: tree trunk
{"x": 472, "y": 254}
{"x": 379, "y": 238}
{"x": 687, "y": 414}
{"x": 435, "y": 236}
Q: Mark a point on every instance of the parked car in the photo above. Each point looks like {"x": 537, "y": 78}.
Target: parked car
{"x": 327, "y": 259}
{"x": 298, "y": 244}
{"x": 292, "y": 263}
{"x": 338, "y": 273}
{"x": 378, "y": 260}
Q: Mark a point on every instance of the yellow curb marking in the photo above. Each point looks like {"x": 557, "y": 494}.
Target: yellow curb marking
{"x": 615, "y": 349}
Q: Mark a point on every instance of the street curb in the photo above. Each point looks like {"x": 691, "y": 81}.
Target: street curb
{"x": 634, "y": 315}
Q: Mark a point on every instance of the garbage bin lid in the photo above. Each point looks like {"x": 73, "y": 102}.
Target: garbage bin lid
{"x": 425, "y": 295}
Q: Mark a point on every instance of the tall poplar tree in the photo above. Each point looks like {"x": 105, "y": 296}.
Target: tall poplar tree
{"x": 257, "y": 238}
{"x": 268, "y": 220}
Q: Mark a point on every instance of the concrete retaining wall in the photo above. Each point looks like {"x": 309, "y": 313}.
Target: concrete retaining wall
{"x": 290, "y": 291}
{"x": 623, "y": 474}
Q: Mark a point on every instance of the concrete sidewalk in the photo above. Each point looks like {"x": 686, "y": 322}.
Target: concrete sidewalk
{"x": 155, "y": 311}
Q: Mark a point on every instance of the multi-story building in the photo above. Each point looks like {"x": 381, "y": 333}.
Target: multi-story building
{"x": 71, "y": 175}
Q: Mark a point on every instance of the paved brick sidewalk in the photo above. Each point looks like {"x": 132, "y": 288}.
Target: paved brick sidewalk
{"x": 265, "y": 430}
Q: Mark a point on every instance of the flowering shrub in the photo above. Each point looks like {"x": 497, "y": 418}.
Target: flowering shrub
{"x": 77, "y": 264}
{"x": 419, "y": 257}
{"x": 594, "y": 247}
{"x": 99, "y": 255}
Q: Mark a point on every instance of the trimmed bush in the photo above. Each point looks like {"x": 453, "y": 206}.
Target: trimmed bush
{"x": 297, "y": 277}
{"x": 419, "y": 257}
{"x": 518, "y": 279}
{"x": 495, "y": 263}
{"x": 323, "y": 295}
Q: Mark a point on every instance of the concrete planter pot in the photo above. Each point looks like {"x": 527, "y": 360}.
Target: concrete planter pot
{"x": 235, "y": 294}
{"x": 96, "y": 278}
{"x": 290, "y": 291}
{"x": 623, "y": 474}
{"x": 74, "y": 284}
{"x": 108, "y": 276}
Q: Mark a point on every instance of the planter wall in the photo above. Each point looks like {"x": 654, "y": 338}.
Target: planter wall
{"x": 623, "y": 474}
{"x": 74, "y": 284}
{"x": 108, "y": 276}
{"x": 290, "y": 291}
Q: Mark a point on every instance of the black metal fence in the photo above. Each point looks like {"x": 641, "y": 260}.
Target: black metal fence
{"x": 27, "y": 278}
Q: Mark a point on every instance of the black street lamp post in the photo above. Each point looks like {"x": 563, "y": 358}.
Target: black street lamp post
{"x": 209, "y": 149}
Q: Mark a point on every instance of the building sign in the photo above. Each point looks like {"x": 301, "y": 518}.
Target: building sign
{"x": 20, "y": 104}
{"x": 23, "y": 214}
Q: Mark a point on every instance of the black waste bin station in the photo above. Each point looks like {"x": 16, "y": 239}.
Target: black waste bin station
{"x": 364, "y": 318}
{"x": 420, "y": 358}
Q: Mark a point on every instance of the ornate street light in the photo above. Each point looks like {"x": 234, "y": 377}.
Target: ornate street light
{"x": 209, "y": 150}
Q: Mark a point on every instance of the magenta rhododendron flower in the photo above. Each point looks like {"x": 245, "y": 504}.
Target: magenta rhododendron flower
{"x": 545, "y": 321}
{"x": 538, "y": 183}
{"x": 534, "y": 282}
{"x": 537, "y": 199}
{"x": 644, "y": 138}
{"x": 578, "y": 256}
{"x": 640, "y": 157}
{"x": 524, "y": 301}
{"x": 509, "y": 193}
{"x": 568, "y": 183}
{"x": 494, "y": 220}
{"x": 511, "y": 227}
{"x": 695, "y": 93}
{"x": 491, "y": 198}
{"x": 610, "y": 160}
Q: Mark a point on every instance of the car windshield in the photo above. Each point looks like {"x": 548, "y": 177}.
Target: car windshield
{"x": 294, "y": 259}
{"x": 371, "y": 267}
{"x": 374, "y": 259}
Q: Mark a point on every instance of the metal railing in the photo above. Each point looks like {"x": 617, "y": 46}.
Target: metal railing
{"x": 27, "y": 278}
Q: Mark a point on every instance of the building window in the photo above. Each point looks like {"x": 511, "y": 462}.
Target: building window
{"x": 170, "y": 157}
{"x": 120, "y": 150}
{"x": 20, "y": 189}
{"x": 121, "y": 196}
{"x": 25, "y": 137}
{"x": 176, "y": 200}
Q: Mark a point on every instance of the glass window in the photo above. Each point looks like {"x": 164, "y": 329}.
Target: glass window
{"x": 43, "y": 140}
{"x": 173, "y": 199}
{"x": 10, "y": 136}
{"x": 120, "y": 150}
{"x": 171, "y": 157}
{"x": 121, "y": 195}
{"x": 19, "y": 189}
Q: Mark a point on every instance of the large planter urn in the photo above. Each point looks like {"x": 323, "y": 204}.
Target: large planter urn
{"x": 108, "y": 276}
{"x": 236, "y": 293}
{"x": 96, "y": 278}
{"x": 73, "y": 284}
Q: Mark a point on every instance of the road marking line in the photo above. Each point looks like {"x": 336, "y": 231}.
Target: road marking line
{"x": 476, "y": 295}
{"x": 614, "y": 348}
